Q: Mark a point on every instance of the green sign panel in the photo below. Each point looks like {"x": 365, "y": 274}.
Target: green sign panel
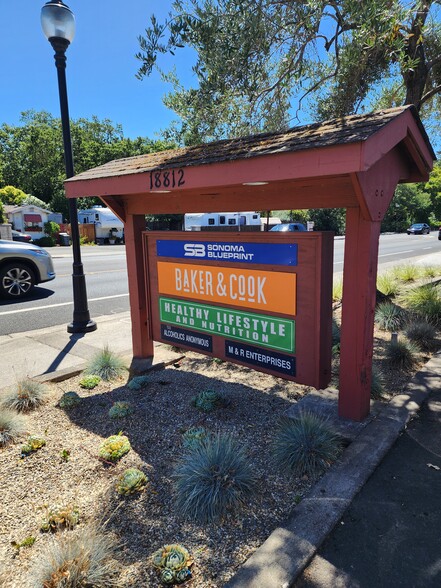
{"x": 259, "y": 329}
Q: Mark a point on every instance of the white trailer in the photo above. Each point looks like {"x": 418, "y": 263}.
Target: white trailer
{"x": 195, "y": 221}
{"x": 105, "y": 221}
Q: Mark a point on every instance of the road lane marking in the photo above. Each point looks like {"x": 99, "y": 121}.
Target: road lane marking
{"x": 398, "y": 253}
{"x": 60, "y": 304}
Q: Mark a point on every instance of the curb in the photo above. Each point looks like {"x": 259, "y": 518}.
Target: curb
{"x": 281, "y": 559}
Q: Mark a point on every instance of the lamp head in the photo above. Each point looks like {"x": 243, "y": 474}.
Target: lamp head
{"x": 58, "y": 21}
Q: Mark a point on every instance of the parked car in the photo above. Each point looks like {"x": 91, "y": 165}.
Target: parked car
{"x": 418, "y": 229}
{"x": 22, "y": 266}
{"x": 288, "y": 227}
{"x": 23, "y": 237}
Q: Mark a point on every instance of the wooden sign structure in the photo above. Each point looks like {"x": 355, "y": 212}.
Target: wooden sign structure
{"x": 261, "y": 300}
{"x": 353, "y": 163}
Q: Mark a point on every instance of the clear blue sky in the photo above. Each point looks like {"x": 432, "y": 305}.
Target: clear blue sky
{"x": 101, "y": 65}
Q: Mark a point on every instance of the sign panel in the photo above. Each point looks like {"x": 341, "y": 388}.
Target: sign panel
{"x": 259, "y": 289}
{"x": 259, "y": 253}
{"x": 260, "y": 358}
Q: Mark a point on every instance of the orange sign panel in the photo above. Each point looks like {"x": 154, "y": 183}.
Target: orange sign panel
{"x": 259, "y": 289}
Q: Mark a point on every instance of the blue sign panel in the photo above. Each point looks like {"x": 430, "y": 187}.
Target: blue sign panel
{"x": 270, "y": 360}
{"x": 259, "y": 253}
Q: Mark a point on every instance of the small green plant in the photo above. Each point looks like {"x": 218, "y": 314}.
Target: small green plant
{"x": 27, "y": 542}
{"x": 114, "y": 447}
{"x": 193, "y": 437}
{"x": 60, "y": 517}
{"x": 33, "y": 443}
{"x": 337, "y": 291}
{"x": 377, "y": 387}
{"x": 25, "y": 396}
{"x": 431, "y": 272}
{"x": 305, "y": 445}
{"x": 423, "y": 334}
{"x": 131, "y": 481}
{"x": 120, "y": 409}
{"x": 12, "y": 426}
{"x": 208, "y": 400}
{"x": 138, "y": 382}
{"x": 389, "y": 316}
{"x": 106, "y": 364}
{"x": 173, "y": 563}
{"x": 388, "y": 284}
{"x": 76, "y": 560}
{"x": 65, "y": 455}
{"x": 90, "y": 382}
{"x": 407, "y": 272}
{"x": 69, "y": 400}
{"x": 425, "y": 302}
{"x": 213, "y": 479}
{"x": 402, "y": 354}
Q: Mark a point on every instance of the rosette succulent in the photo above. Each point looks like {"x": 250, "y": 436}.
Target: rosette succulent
{"x": 138, "y": 382}
{"x": 193, "y": 437}
{"x": 61, "y": 517}
{"x": 120, "y": 409}
{"x": 131, "y": 481}
{"x": 33, "y": 443}
{"x": 90, "y": 382}
{"x": 208, "y": 400}
{"x": 114, "y": 447}
{"x": 173, "y": 563}
{"x": 69, "y": 400}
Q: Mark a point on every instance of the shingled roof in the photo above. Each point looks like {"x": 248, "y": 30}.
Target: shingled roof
{"x": 339, "y": 131}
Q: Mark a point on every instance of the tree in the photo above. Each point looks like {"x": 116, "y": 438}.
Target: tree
{"x": 433, "y": 188}
{"x": 254, "y": 58}
{"x": 410, "y": 204}
{"x": 11, "y": 195}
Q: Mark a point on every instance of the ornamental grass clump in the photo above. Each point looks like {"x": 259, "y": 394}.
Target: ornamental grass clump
{"x": 69, "y": 400}
{"x": 90, "y": 382}
{"x": 193, "y": 436}
{"x": 107, "y": 365}
{"x": 388, "y": 284}
{"x": 138, "y": 382}
{"x": 402, "y": 354}
{"x": 114, "y": 448}
{"x": 131, "y": 481}
{"x": 213, "y": 479}
{"x": 33, "y": 444}
{"x": 377, "y": 387}
{"x": 61, "y": 517}
{"x": 305, "y": 445}
{"x": 76, "y": 560}
{"x": 25, "y": 396}
{"x": 423, "y": 334}
{"x": 425, "y": 302}
{"x": 208, "y": 400}
{"x": 12, "y": 426}
{"x": 389, "y": 316}
{"x": 173, "y": 563}
{"x": 120, "y": 409}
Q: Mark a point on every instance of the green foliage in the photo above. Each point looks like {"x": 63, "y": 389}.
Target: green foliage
{"x": 114, "y": 448}
{"x": 45, "y": 241}
{"x": 407, "y": 272}
{"x": 193, "y": 436}
{"x": 337, "y": 290}
{"x": 11, "y": 195}
{"x": 213, "y": 479}
{"x": 410, "y": 204}
{"x": 328, "y": 219}
{"x": 25, "y": 395}
{"x": 402, "y": 354}
{"x": 425, "y": 302}
{"x": 377, "y": 387}
{"x": 209, "y": 400}
{"x": 60, "y": 517}
{"x": 431, "y": 271}
{"x": 389, "y": 316}
{"x": 51, "y": 228}
{"x": 69, "y": 400}
{"x": 27, "y": 542}
{"x": 90, "y": 382}
{"x": 173, "y": 564}
{"x": 76, "y": 560}
{"x": 106, "y": 364}
{"x": 65, "y": 455}
{"x": 305, "y": 445}
{"x": 388, "y": 284}
{"x": 2, "y": 214}
{"x": 12, "y": 426}
{"x": 33, "y": 443}
{"x": 120, "y": 409}
{"x": 138, "y": 382}
{"x": 131, "y": 481}
{"x": 423, "y": 334}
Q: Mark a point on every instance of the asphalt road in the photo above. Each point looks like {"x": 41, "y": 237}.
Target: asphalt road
{"x": 107, "y": 288}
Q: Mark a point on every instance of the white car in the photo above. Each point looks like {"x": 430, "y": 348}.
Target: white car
{"x": 22, "y": 266}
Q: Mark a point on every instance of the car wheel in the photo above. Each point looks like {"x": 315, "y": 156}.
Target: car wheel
{"x": 16, "y": 280}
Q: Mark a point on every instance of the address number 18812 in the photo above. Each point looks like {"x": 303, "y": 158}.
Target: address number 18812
{"x": 167, "y": 179}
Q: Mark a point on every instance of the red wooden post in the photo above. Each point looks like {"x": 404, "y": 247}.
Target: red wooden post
{"x": 358, "y": 308}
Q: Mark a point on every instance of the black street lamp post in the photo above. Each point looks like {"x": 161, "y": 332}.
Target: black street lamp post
{"x": 58, "y": 23}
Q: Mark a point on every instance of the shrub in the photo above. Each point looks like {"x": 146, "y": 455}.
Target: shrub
{"x": 131, "y": 481}
{"x": 305, "y": 445}
{"x": 208, "y": 400}
{"x": 120, "y": 410}
{"x": 193, "y": 436}
{"x": 402, "y": 354}
{"x": 213, "y": 479}
{"x": 425, "y": 301}
{"x": 377, "y": 388}
{"x": 114, "y": 447}
{"x": 76, "y": 560}
{"x": 106, "y": 364}
{"x": 138, "y": 382}
{"x": 33, "y": 443}
{"x": 90, "y": 382}
{"x": 173, "y": 564}
{"x": 12, "y": 426}
{"x": 60, "y": 517}
{"x": 423, "y": 334}
{"x": 25, "y": 396}
{"x": 45, "y": 241}
{"x": 69, "y": 400}
{"x": 389, "y": 316}
{"x": 51, "y": 228}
